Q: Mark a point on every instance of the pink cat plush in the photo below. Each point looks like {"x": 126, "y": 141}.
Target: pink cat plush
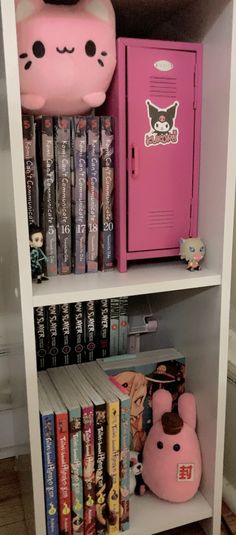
{"x": 67, "y": 55}
{"x": 172, "y": 464}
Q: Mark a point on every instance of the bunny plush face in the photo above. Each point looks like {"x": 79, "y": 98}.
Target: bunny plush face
{"x": 171, "y": 458}
{"x": 67, "y": 55}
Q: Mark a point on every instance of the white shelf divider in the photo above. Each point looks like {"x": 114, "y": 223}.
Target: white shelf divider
{"x": 138, "y": 280}
{"x": 150, "y": 515}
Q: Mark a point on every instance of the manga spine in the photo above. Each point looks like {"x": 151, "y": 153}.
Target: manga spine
{"x": 75, "y": 433}
{"x": 103, "y": 327}
{"x": 106, "y": 249}
{"x": 123, "y": 326}
{"x": 78, "y": 332}
{"x": 66, "y": 341}
{"x": 31, "y": 176}
{"x": 63, "y": 470}
{"x": 80, "y": 194}
{"x": 89, "y": 471}
{"x": 40, "y": 325}
{"x": 53, "y": 335}
{"x": 63, "y": 193}
{"x": 92, "y": 192}
{"x": 49, "y": 194}
{"x": 50, "y": 472}
{"x": 114, "y": 326}
{"x": 100, "y": 467}
{"x": 90, "y": 331}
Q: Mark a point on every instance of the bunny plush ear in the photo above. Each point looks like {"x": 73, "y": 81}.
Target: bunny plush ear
{"x": 101, "y": 9}
{"x": 26, "y": 8}
{"x": 161, "y": 403}
{"x": 187, "y": 409}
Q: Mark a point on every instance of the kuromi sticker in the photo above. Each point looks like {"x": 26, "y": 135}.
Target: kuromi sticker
{"x": 162, "y": 125}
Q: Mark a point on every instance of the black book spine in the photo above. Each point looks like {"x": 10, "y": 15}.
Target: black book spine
{"x": 78, "y": 331}
{"x": 40, "y": 325}
{"x": 90, "y": 331}
{"x": 53, "y": 339}
{"x": 103, "y": 327}
{"x": 65, "y": 335}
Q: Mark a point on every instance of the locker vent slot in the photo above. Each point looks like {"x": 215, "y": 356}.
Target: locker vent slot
{"x": 160, "y": 219}
{"x": 162, "y": 86}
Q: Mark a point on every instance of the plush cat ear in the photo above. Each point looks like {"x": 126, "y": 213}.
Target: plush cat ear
{"x": 101, "y": 9}
{"x": 187, "y": 409}
{"x": 26, "y": 8}
{"x": 161, "y": 403}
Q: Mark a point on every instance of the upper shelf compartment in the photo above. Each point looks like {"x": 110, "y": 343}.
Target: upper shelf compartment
{"x": 139, "y": 280}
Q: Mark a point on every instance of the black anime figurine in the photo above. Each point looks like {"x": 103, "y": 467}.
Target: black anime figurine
{"x": 37, "y": 256}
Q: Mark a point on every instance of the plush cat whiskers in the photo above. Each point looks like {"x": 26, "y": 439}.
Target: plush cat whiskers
{"x": 193, "y": 251}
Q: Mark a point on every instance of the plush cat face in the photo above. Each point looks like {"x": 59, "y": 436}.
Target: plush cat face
{"x": 162, "y": 121}
{"x": 66, "y": 55}
{"x": 192, "y": 249}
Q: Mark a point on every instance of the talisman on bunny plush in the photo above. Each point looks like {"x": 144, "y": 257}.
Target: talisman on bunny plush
{"x": 67, "y": 54}
{"x": 172, "y": 463}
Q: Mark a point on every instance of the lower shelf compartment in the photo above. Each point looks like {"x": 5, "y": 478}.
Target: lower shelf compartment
{"x": 149, "y": 515}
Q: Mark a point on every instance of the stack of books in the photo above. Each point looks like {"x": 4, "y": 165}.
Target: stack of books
{"x": 69, "y": 173}
{"x": 85, "y": 429}
{"x": 80, "y": 332}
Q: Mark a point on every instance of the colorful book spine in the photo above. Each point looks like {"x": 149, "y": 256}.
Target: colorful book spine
{"x": 113, "y": 470}
{"x": 92, "y": 192}
{"x": 90, "y": 331}
{"x": 63, "y": 471}
{"x": 76, "y": 471}
{"x": 63, "y": 193}
{"x": 80, "y": 193}
{"x": 114, "y": 326}
{"x": 53, "y": 335}
{"x": 100, "y": 467}
{"x": 66, "y": 335}
{"x": 106, "y": 250}
{"x": 89, "y": 471}
{"x": 49, "y": 194}
{"x": 31, "y": 177}
{"x": 50, "y": 473}
{"x": 78, "y": 332}
{"x": 123, "y": 326}
{"x": 103, "y": 327}
{"x": 124, "y": 458}
{"x": 40, "y": 325}
{"x": 72, "y": 179}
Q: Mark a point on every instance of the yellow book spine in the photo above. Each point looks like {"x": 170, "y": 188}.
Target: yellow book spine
{"x": 113, "y": 451}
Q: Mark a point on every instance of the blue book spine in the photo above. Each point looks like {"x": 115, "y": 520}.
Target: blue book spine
{"x": 124, "y": 463}
{"x": 76, "y": 471}
{"x": 50, "y": 475}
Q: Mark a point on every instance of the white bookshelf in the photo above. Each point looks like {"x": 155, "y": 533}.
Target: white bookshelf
{"x": 193, "y": 308}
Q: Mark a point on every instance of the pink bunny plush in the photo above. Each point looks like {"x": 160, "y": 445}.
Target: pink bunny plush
{"x": 67, "y": 55}
{"x": 172, "y": 464}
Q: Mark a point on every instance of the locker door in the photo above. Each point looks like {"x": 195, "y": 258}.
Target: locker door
{"x": 160, "y": 110}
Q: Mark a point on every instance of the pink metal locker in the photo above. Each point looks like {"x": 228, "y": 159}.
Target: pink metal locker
{"x": 156, "y": 100}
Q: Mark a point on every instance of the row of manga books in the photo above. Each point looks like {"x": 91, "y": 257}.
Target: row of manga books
{"x": 80, "y": 332}
{"x": 85, "y": 432}
{"x": 69, "y": 174}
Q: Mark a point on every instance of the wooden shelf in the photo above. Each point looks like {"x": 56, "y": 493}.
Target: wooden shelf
{"x": 150, "y": 515}
{"x": 138, "y": 280}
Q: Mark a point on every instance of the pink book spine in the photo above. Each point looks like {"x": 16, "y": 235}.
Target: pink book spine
{"x": 89, "y": 471}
